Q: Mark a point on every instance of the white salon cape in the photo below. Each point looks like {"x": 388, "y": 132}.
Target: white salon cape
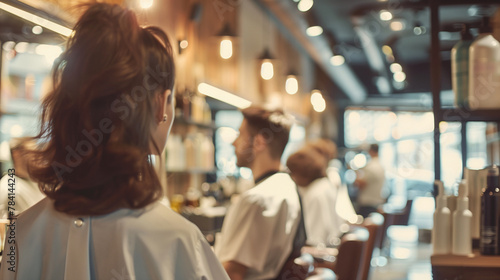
{"x": 25, "y": 193}
{"x": 150, "y": 243}
{"x": 320, "y": 214}
{"x": 259, "y": 229}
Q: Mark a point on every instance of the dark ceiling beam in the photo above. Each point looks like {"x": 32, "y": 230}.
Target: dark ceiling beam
{"x": 292, "y": 24}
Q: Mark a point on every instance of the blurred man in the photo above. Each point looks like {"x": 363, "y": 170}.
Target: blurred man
{"x": 370, "y": 182}
{"x": 264, "y": 229}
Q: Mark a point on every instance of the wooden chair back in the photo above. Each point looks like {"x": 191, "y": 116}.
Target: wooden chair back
{"x": 350, "y": 256}
{"x": 374, "y": 223}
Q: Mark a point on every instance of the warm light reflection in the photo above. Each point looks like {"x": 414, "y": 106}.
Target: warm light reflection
{"x": 226, "y": 48}
{"x": 396, "y": 67}
{"x": 313, "y": 31}
{"x": 399, "y": 76}
{"x": 8, "y": 46}
{"x": 337, "y": 60}
{"x": 387, "y": 50}
{"x": 267, "y": 70}
{"x": 227, "y": 134}
{"x": 317, "y": 101}
{"x": 443, "y": 126}
{"x": 305, "y": 5}
{"x": 21, "y": 47}
{"x": 354, "y": 117}
{"x": 397, "y": 25}
{"x": 37, "y": 29}
{"x": 291, "y": 85}
{"x": 184, "y": 44}
{"x": 359, "y": 161}
{"x": 50, "y": 52}
{"x": 385, "y": 15}
{"x": 16, "y": 131}
{"x": 146, "y": 4}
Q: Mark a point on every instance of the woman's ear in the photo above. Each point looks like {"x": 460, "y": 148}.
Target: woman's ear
{"x": 161, "y": 100}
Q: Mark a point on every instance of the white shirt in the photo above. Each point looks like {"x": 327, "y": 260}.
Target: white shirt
{"x": 320, "y": 215}
{"x": 149, "y": 243}
{"x": 25, "y": 194}
{"x": 374, "y": 175}
{"x": 259, "y": 229}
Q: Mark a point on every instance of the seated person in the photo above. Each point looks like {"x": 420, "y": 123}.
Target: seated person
{"x": 263, "y": 230}
{"x": 308, "y": 170}
{"x": 343, "y": 204}
{"x": 111, "y": 107}
{"x": 25, "y": 192}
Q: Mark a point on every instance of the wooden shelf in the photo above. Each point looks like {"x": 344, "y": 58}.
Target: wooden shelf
{"x": 475, "y": 266}
{"x": 473, "y": 260}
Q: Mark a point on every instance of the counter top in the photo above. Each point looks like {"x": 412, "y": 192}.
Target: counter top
{"x": 474, "y": 266}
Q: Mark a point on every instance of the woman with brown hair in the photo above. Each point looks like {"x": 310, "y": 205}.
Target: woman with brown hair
{"x": 110, "y": 110}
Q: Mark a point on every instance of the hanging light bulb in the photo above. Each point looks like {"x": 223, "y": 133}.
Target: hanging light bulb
{"x": 305, "y": 5}
{"x": 267, "y": 70}
{"x": 146, "y": 4}
{"x": 226, "y": 43}
{"x": 317, "y": 101}
{"x": 267, "y": 67}
{"x": 226, "y": 48}
{"x": 291, "y": 85}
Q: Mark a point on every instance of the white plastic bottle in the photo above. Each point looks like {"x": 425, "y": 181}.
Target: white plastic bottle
{"x": 441, "y": 232}
{"x": 484, "y": 70}
{"x": 462, "y": 223}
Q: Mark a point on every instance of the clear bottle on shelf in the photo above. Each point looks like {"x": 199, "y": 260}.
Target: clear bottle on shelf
{"x": 441, "y": 231}
{"x": 460, "y": 67}
{"x": 462, "y": 223}
{"x": 484, "y": 70}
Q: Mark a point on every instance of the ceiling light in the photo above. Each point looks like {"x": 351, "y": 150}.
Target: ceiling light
{"x": 37, "y": 30}
{"x": 385, "y": 15}
{"x": 305, "y": 5}
{"x": 291, "y": 84}
{"x": 267, "y": 70}
{"x": 337, "y": 60}
{"x": 226, "y": 43}
{"x": 146, "y": 4}
{"x": 183, "y": 44}
{"x": 223, "y": 96}
{"x": 317, "y": 101}
{"x": 37, "y": 20}
{"x": 313, "y": 31}
{"x": 226, "y": 48}
{"x": 267, "y": 67}
{"x": 399, "y": 76}
{"x": 397, "y": 25}
{"x": 387, "y": 50}
{"x": 21, "y": 47}
{"x": 9, "y": 45}
{"x": 396, "y": 67}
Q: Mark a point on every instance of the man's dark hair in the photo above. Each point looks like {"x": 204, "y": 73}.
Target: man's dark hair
{"x": 273, "y": 125}
{"x": 374, "y": 148}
